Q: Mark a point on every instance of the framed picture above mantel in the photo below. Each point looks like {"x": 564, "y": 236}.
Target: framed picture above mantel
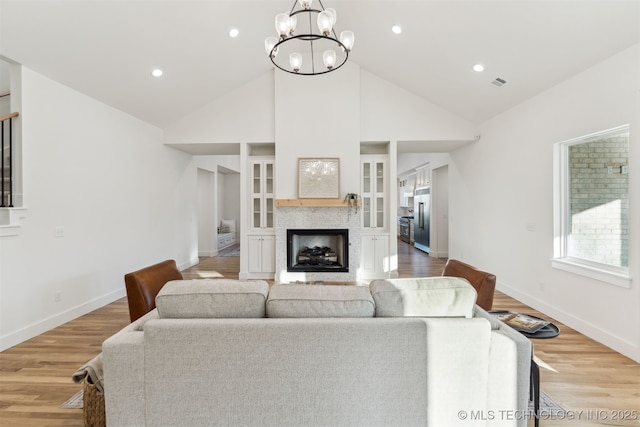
{"x": 318, "y": 178}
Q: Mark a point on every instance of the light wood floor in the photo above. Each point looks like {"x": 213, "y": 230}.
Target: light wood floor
{"x": 580, "y": 374}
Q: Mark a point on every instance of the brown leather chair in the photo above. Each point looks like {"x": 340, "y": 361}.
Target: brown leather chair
{"x": 483, "y": 282}
{"x": 143, "y": 286}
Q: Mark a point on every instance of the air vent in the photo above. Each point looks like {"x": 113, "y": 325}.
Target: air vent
{"x": 498, "y": 82}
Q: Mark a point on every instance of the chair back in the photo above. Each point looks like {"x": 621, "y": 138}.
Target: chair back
{"x": 483, "y": 282}
{"x": 143, "y": 286}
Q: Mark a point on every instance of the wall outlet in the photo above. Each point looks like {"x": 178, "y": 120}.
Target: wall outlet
{"x": 57, "y": 296}
{"x": 624, "y": 169}
{"x": 58, "y": 232}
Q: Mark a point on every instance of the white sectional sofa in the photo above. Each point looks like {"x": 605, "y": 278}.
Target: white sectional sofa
{"x": 229, "y": 353}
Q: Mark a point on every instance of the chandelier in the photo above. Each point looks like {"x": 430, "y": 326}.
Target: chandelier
{"x": 307, "y": 40}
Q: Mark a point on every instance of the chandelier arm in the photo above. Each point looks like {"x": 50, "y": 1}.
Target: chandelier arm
{"x": 313, "y": 67}
{"x": 302, "y": 36}
{"x": 309, "y": 11}
{"x": 310, "y": 38}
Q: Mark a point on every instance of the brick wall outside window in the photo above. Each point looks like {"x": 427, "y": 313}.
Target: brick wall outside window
{"x": 599, "y": 201}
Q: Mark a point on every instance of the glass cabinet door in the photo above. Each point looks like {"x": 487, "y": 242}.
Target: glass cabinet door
{"x": 366, "y": 178}
{"x": 366, "y": 212}
{"x": 262, "y": 194}
{"x": 373, "y": 180}
{"x": 379, "y": 213}
{"x": 268, "y": 196}
{"x": 256, "y": 195}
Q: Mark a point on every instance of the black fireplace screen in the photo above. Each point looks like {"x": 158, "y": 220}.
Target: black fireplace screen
{"x": 318, "y": 250}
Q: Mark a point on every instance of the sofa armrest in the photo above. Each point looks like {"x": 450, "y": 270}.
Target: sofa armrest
{"x": 123, "y": 364}
{"x": 503, "y": 384}
{"x": 524, "y": 350}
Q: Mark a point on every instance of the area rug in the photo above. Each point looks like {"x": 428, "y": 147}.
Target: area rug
{"x": 548, "y": 407}
{"x": 74, "y": 402}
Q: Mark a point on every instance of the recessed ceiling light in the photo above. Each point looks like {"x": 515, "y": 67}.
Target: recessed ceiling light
{"x": 396, "y": 29}
{"x": 478, "y": 67}
{"x": 233, "y": 33}
{"x": 157, "y": 72}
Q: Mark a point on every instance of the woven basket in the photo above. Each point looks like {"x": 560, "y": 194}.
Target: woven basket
{"x": 93, "y": 406}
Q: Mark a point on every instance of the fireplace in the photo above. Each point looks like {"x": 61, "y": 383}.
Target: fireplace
{"x": 318, "y": 250}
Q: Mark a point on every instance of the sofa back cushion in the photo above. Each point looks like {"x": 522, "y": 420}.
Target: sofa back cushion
{"x": 212, "y": 298}
{"x": 319, "y": 301}
{"x": 423, "y": 297}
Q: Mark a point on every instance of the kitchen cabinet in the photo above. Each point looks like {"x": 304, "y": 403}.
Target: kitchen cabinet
{"x": 405, "y": 191}
{"x": 423, "y": 176}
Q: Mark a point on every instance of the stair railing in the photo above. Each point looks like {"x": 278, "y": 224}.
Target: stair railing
{"x": 6, "y": 152}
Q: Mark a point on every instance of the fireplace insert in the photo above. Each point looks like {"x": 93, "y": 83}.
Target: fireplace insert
{"x": 318, "y": 250}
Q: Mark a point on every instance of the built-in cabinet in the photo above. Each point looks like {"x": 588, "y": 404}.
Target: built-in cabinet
{"x": 375, "y": 256}
{"x": 226, "y": 239}
{"x": 374, "y": 178}
{"x": 262, "y": 194}
{"x": 261, "y": 256}
{"x": 373, "y": 185}
{"x": 261, "y": 236}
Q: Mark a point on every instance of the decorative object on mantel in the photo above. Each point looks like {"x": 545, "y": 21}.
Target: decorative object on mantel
{"x": 353, "y": 201}
{"x": 318, "y": 178}
{"x": 310, "y": 49}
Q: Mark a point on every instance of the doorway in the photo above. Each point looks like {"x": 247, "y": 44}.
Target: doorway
{"x": 206, "y": 214}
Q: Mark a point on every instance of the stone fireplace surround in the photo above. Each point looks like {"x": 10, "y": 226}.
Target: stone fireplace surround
{"x": 317, "y": 218}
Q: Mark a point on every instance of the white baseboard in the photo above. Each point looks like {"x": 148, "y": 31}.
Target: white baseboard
{"x": 208, "y": 253}
{"x": 584, "y": 327}
{"x": 439, "y": 254}
{"x": 190, "y": 263}
{"x": 56, "y": 320}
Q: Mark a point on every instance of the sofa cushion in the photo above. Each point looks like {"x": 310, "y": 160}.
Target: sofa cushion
{"x": 423, "y": 297}
{"x": 319, "y": 301}
{"x": 212, "y": 298}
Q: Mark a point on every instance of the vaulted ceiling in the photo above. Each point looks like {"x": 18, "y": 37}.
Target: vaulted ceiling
{"x": 107, "y": 48}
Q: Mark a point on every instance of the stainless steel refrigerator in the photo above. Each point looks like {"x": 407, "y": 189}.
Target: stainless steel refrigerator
{"x": 422, "y": 221}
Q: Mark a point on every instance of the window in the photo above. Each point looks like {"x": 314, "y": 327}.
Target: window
{"x": 591, "y": 205}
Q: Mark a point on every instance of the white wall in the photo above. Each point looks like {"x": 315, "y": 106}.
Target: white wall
{"x": 207, "y": 235}
{"x": 440, "y": 212}
{"x": 501, "y": 200}
{"x": 245, "y": 114}
{"x": 389, "y": 112}
{"x": 317, "y": 120}
{"x": 124, "y": 200}
{"x": 5, "y": 87}
{"x": 407, "y": 162}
